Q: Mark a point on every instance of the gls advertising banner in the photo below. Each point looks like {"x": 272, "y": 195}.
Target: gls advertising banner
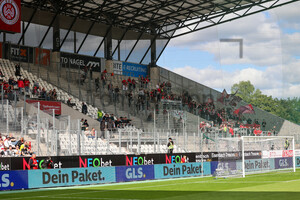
{"x": 134, "y": 173}
{"x": 68, "y": 177}
{"x": 181, "y": 170}
{"x": 281, "y": 163}
{"x": 13, "y": 180}
{"x": 75, "y": 60}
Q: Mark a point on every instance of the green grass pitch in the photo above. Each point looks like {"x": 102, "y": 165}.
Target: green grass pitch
{"x": 273, "y": 186}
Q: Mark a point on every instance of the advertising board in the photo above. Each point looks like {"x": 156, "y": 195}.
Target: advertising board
{"x": 181, "y": 170}
{"x": 13, "y": 180}
{"x": 47, "y": 106}
{"x": 282, "y": 163}
{"x": 129, "y": 69}
{"x": 134, "y": 173}
{"x": 20, "y": 53}
{"x": 69, "y": 177}
{"x": 256, "y": 165}
{"x": 75, "y": 60}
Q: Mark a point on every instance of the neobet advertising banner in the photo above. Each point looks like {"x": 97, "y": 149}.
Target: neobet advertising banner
{"x": 181, "y": 170}
{"x": 69, "y": 177}
{"x": 134, "y": 173}
{"x": 13, "y": 180}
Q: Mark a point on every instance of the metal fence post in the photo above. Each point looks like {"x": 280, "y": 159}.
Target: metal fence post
{"x": 7, "y": 125}
{"x": 139, "y": 142}
{"x": 120, "y": 141}
{"x": 78, "y": 136}
{"x": 38, "y": 130}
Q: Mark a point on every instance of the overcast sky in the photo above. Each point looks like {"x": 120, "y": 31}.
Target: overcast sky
{"x": 271, "y": 59}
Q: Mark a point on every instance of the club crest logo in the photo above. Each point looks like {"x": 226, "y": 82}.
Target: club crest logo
{"x": 9, "y": 12}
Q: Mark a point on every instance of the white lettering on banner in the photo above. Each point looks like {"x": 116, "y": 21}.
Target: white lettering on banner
{"x": 272, "y": 154}
{"x": 134, "y": 173}
{"x": 5, "y": 180}
{"x": 117, "y": 66}
{"x": 283, "y": 163}
{"x": 93, "y": 64}
{"x": 287, "y": 153}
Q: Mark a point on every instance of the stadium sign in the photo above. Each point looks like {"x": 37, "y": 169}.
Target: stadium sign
{"x": 75, "y": 61}
{"x": 129, "y": 69}
{"x": 10, "y": 15}
{"x": 19, "y": 53}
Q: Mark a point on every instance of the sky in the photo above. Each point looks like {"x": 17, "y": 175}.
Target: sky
{"x": 271, "y": 53}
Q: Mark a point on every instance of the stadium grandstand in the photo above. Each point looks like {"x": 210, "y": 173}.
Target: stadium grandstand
{"x": 80, "y": 81}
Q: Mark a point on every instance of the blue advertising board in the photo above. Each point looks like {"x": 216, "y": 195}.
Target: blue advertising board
{"x": 13, "y": 180}
{"x": 224, "y": 165}
{"x": 72, "y": 176}
{"x": 297, "y": 161}
{"x": 282, "y": 163}
{"x": 134, "y": 173}
{"x": 181, "y": 170}
{"x": 256, "y": 164}
{"x": 134, "y": 70}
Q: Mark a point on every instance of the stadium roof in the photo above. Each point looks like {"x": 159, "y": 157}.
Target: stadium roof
{"x": 141, "y": 19}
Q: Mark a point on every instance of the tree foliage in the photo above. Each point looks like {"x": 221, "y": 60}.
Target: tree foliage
{"x": 288, "y": 109}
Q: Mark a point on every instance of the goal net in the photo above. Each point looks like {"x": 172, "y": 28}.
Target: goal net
{"x": 254, "y": 154}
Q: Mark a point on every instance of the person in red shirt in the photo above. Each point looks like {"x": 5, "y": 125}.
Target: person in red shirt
{"x": 257, "y": 131}
{"x": 20, "y": 85}
{"x": 231, "y": 131}
{"x": 33, "y": 162}
{"x": 26, "y": 84}
{"x": 183, "y": 159}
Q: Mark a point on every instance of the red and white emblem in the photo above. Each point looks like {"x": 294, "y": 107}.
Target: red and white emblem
{"x": 9, "y": 12}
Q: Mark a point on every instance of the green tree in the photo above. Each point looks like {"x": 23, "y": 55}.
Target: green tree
{"x": 286, "y": 108}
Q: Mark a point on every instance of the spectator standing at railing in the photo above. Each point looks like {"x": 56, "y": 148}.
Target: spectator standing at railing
{"x": 26, "y": 84}
{"x": 20, "y": 85}
{"x": 133, "y": 83}
{"x": 102, "y": 129}
{"x": 129, "y": 83}
{"x": 170, "y": 146}
{"x": 263, "y": 125}
{"x": 103, "y": 78}
{"x": 97, "y": 83}
{"x": 84, "y": 108}
{"x": 99, "y": 115}
{"x": 33, "y": 162}
{"x": 18, "y": 70}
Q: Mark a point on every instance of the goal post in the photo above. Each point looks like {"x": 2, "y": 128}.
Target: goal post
{"x": 278, "y": 150}
{"x": 254, "y": 154}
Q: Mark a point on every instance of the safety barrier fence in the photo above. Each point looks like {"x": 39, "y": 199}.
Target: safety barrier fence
{"x": 29, "y": 179}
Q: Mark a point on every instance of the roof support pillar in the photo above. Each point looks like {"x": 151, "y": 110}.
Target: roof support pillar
{"x": 108, "y": 45}
{"x": 153, "y": 49}
{"x": 56, "y": 35}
